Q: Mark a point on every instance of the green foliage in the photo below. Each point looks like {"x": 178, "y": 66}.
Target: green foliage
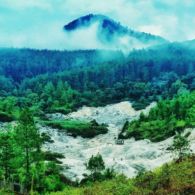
{"x": 168, "y": 180}
{"x": 8, "y": 109}
{"x": 54, "y": 157}
{"x": 23, "y": 162}
{"x": 164, "y": 180}
{"x": 98, "y": 171}
{"x": 78, "y": 128}
{"x": 6, "y": 155}
{"x": 55, "y": 81}
{"x": 181, "y": 146}
{"x": 4, "y": 117}
{"x": 96, "y": 164}
{"x": 52, "y": 180}
{"x": 29, "y": 143}
{"x": 165, "y": 119}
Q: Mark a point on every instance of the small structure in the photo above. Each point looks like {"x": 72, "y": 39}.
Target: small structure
{"x": 119, "y": 141}
{"x": 17, "y": 188}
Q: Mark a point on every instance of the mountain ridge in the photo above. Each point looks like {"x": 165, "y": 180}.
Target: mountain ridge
{"x": 112, "y": 33}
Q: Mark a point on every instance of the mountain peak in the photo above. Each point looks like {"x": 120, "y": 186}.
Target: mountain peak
{"x": 111, "y": 34}
{"x": 84, "y": 20}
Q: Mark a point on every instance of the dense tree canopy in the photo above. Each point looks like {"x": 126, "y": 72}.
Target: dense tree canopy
{"x": 63, "y": 80}
{"x": 164, "y": 120}
{"x": 36, "y": 82}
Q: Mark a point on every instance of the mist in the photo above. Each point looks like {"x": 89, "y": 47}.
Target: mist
{"x": 39, "y": 23}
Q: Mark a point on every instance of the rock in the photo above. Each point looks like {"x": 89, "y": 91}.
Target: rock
{"x": 128, "y": 159}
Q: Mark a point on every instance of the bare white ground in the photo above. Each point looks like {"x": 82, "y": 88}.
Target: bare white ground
{"x": 127, "y": 159}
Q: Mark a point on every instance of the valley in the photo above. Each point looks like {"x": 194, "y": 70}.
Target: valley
{"x": 97, "y": 98}
{"x": 129, "y": 158}
{"x": 133, "y": 114}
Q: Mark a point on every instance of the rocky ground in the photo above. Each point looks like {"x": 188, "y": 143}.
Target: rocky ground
{"x": 128, "y": 159}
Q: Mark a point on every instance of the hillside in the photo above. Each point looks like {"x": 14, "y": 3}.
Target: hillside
{"x": 109, "y": 34}
{"x": 164, "y": 120}
{"x": 164, "y": 180}
{"x": 44, "y": 123}
{"x": 94, "y": 78}
{"x": 97, "y": 97}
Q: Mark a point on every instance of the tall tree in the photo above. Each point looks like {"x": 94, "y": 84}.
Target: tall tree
{"x": 96, "y": 165}
{"x": 29, "y": 142}
{"x": 181, "y": 145}
{"x": 6, "y": 154}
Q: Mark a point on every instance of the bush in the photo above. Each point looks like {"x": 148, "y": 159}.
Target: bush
{"x": 164, "y": 120}
{"x": 78, "y": 128}
{"x": 4, "y": 117}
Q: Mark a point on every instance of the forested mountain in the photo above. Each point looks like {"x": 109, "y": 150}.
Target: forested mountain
{"x": 97, "y": 97}
{"x": 35, "y": 83}
{"x": 97, "y": 77}
{"x": 111, "y": 34}
{"x": 19, "y": 64}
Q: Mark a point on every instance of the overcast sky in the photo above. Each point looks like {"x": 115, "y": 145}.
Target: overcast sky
{"x": 38, "y": 23}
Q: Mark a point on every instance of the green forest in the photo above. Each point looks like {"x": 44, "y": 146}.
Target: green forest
{"x": 34, "y": 83}
{"x": 52, "y": 81}
{"x": 97, "y": 97}
{"x": 164, "y": 120}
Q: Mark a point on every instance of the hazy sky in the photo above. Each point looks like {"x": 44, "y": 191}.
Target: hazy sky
{"x": 38, "y": 23}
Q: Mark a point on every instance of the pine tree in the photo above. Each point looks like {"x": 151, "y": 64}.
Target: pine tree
{"x": 6, "y": 154}
{"x": 29, "y": 142}
{"x": 96, "y": 164}
{"x": 181, "y": 146}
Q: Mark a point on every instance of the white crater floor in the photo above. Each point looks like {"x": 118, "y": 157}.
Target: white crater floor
{"x": 127, "y": 159}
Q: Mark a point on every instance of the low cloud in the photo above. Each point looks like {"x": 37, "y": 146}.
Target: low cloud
{"x": 38, "y": 23}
